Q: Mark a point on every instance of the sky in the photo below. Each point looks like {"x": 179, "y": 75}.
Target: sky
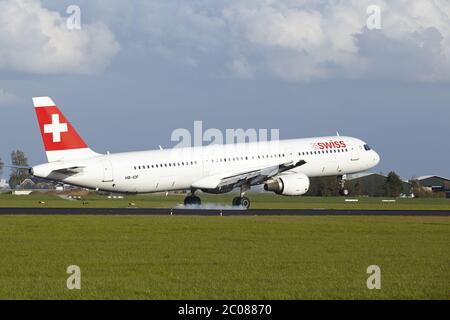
{"x": 133, "y": 72}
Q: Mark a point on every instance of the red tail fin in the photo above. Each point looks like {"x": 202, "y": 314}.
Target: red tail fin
{"x": 61, "y": 141}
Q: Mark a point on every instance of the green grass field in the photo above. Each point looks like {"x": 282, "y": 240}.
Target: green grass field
{"x": 274, "y": 257}
{"x": 258, "y": 201}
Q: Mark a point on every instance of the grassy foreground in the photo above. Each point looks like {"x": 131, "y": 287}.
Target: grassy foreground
{"x": 171, "y": 257}
{"x": 258, "y": 201}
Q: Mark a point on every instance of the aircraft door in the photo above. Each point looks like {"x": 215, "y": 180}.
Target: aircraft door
{"x": 207, "y": 167}
{"x": 354, "y": 153}
{"x": 107, "y": 171}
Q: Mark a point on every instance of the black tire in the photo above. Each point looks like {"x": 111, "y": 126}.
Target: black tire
{"x": 192, "y": 200}
{"x": 245, "y": 202}
{"x": 236, "y": 201}
{"x": 188, "y": 200}
{"x": 196, "y": 200}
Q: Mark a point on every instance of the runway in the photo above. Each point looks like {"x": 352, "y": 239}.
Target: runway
{"x": 217, "y": 212}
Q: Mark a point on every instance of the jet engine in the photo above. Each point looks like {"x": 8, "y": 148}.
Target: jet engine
{"x": 288, "y": 184}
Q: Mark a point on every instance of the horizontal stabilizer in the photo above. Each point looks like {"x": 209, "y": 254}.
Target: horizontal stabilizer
{"x": 69, "y": 171}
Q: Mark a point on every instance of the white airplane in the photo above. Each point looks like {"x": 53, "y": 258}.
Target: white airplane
{"x": 283, "y": 166}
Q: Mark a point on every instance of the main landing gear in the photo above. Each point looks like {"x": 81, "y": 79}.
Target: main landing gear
{"x": 192, "y": 199}
{"x": 242, "y": 202}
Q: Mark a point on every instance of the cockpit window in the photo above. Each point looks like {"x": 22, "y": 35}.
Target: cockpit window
{"x": 366, "y": 147}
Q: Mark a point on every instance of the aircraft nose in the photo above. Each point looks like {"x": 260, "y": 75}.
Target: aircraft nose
{"x": 376, "y": 158}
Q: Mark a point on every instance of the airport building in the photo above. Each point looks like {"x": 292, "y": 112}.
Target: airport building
{"x": 35, "y": 183}
{"x": 435, "y": 183}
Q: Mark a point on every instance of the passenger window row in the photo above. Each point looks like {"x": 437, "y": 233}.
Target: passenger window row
{"x": 175, "y": 164}
{"x": 264, "y": 156}
{"x": 164, "y": 165}
{"x": 309, "y": 153}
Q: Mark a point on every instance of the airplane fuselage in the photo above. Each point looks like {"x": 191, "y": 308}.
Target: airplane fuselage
{"x": 189, "y": 168}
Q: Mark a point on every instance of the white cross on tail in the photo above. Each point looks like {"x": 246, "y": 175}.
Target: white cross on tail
{"x": 55, "y": 128}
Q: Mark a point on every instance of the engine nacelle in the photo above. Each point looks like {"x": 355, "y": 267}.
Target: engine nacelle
{"x": 288, "y": 184}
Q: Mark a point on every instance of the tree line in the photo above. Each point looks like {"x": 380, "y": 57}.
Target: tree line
{"x": 17, "y": 176}
{"x": 392, "y": 186}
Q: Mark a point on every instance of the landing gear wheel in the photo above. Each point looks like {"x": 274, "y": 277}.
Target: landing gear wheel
{"x": 192, "y": 200}
{"x": 241, "y": 201}
{"x": 245, "y": 202}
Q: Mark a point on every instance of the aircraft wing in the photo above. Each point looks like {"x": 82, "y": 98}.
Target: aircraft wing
{"x": 251, "y": 176}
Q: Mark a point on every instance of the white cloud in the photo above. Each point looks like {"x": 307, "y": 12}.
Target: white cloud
{"x": 240, "y": 66}
{"x": 330, "y": 40}
{"x": 304, "y": 40}
{"x": 34, "y": 39}
{"x": 295, "y": 40}
{"x": 7, "y": 98}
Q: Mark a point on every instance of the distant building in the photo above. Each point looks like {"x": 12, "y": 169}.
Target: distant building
{"x": 372, "y": 184}
{"x": 36, "y": 183}
{"x": 4, "y": 184}
{"x": 435, "y": 183}
{"x": 26, "y": 184}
